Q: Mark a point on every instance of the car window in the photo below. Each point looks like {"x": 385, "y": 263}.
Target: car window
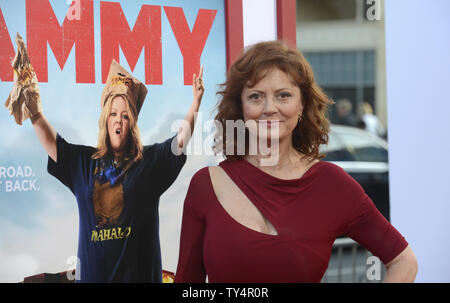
{"x": 363, "y": 147}
{"x": 335, "y": 150}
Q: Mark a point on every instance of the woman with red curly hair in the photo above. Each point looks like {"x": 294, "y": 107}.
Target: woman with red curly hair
{"x": 246, "y": 221}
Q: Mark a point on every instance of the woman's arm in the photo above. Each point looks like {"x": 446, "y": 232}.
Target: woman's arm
{"x": 24, "y": 100}
{"x": 46, "y": 135}
{"x": 403, "y": 268}
{"x": 184, "y": 133}
{"x": 190, "y": 268}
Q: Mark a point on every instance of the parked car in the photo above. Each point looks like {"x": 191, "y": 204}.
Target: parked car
{"x": 363, "y": 156}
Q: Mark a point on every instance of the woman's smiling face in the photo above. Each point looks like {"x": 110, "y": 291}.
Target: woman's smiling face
{"x": 275, "y": 101}
{"x": 118, "y": 124}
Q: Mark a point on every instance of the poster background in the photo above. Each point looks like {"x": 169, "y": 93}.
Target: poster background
{"x": 39, "y": 219}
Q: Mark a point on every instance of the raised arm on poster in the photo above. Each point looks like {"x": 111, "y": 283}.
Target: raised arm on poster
{"x": 24, "y": 101}
{"x": 117, "y": 184}
{"x": 184, "y": 134}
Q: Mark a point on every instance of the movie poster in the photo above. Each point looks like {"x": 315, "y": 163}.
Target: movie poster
{"x": 71, "y": 45}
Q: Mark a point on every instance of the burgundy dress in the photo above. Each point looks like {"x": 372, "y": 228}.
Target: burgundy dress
{"x": 308, "y": 213}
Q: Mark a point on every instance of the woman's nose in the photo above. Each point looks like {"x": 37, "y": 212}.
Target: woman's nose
{"x": 119, "y": 119}
{"x": 269, "y": 106}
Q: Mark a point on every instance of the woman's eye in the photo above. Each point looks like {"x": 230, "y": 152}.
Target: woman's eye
{"x": 126, "y": 117}
{"x": 113, "y": 114}
{"x": 254, "y": 97}
{"x": 284, "y": 95}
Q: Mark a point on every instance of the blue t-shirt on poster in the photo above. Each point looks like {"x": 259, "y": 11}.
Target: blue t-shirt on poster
{"x": 119, "y": 222}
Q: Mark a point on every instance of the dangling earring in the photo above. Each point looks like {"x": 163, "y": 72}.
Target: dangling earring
{"x": 300, "y": 118}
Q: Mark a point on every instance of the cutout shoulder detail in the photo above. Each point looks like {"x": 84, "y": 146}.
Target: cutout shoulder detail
{"x": 237, "y": 205}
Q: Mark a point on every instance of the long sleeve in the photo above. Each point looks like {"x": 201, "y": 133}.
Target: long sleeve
{"x": 370, "y": 228}
{"x": 366, "y": 225}
{"x": 190, "y": 261}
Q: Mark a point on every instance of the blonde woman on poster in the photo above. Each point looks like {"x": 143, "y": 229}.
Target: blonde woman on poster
{"x": 117, "y": 184}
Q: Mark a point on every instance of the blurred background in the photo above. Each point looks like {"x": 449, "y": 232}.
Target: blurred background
{"x": 344, "y": 41}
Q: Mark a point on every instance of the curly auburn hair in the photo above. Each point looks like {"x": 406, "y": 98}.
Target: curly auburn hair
{"x": 252, "y": 66}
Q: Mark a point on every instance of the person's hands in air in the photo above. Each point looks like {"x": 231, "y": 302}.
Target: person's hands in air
{"x": 185, "y": 131}
{"x": 197, "y": 85}
{"x": 24, "y": 101}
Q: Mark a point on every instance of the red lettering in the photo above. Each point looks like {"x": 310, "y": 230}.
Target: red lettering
{"x": 146, "y": 33}
{"x": 43, "y": 27}
{"x": 7, "y": 52}
{"x": 191, "y": 44}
